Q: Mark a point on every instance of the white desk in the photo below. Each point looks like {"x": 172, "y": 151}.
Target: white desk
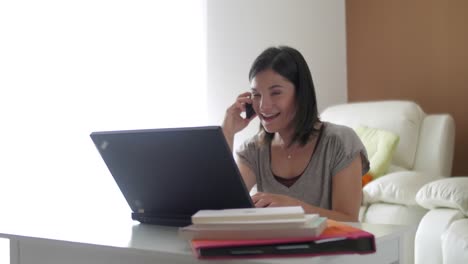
{"x": 85, "y": 241}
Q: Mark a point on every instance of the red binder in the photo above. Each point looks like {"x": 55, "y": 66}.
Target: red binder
{"x": 337, "y": 238}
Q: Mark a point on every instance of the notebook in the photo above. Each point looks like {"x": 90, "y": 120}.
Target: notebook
{"x": 167, "y": 175}
{"x": 337, "y": 238}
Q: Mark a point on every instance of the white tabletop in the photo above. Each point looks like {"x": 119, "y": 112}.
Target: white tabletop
{"x": 125, "y": 234}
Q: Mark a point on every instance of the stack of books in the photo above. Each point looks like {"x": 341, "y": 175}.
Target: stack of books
{"x": 253, "y": 223}
{"x": 272, "y": 232}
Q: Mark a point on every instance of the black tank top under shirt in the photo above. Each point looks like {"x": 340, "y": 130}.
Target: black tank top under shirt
{"x": 290, "y": 181}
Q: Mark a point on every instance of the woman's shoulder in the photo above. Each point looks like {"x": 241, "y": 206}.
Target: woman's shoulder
{"x": 332, "y": 130}
{"x": 341, "y": 136}
{"x": 345, "y": 143}
{"x": 254, "y": 140}
{"x": 251, "y": 144}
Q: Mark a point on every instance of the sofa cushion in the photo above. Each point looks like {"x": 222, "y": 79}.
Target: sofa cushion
{"x": 380, "y": 145}
{"x": 393, "y": 214}
{"x": 447, "y": 192}
{"x": 398, "y": 188}
{"x": 403, "y": 118}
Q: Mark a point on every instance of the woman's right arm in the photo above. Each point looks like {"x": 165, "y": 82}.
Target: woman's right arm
{"x": 233, "y": 123}
{"x": 247, "y": 175}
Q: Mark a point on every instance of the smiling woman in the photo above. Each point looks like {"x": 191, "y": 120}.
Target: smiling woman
{"x": 295, "y": 159}
{"x": 72, "y": 67}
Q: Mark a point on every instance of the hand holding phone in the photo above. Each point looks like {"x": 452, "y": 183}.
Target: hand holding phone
{"x": 249, "y": 111}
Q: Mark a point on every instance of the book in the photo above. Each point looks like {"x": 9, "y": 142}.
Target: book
{"x": 248, "y": 214}
{"x": 312, "y": 227}
{"x": 263, "y": 223}
{"x": 337, "y": 238}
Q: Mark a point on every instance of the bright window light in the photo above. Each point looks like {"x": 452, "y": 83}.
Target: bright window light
{"x": 68, "y": 68}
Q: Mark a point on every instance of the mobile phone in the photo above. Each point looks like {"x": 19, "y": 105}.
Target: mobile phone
{"x": 249, "y": 111}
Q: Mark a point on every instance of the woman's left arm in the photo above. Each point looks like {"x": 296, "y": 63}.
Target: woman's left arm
{"x": 347, "y": 191}
{"x": 346, "y": 196}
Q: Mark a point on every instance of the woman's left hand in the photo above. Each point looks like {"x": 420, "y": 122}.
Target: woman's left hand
{"x": 262, "y": 199}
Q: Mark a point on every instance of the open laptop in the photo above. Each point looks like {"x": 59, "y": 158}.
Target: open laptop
{"x": 167, "y": 175}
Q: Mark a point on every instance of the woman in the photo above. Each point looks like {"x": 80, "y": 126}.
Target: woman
{"x": 295, "y": 159}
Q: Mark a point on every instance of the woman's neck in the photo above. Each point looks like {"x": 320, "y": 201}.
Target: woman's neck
{"x": 283, "y": 139}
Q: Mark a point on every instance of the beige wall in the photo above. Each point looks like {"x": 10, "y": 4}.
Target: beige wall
{"x": 415, "y": 50}
{"x": 238, "y": 30}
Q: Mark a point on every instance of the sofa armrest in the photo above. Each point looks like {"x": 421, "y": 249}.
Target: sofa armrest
{"x": 436, "y": 158}
{"x": 448, "y": 193}
{"x": 429, "y": 235}
{"x": 396, "y": 188}
{"x": 455, "y": 241}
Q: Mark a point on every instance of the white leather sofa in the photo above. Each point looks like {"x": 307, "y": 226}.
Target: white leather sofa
{"x": 424, "y": 153}
{"x": 442, "y": 235}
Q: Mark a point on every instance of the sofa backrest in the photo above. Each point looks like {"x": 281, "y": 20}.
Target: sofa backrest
{"x": 404, "y": 118}
{"x": 436, "y": 145}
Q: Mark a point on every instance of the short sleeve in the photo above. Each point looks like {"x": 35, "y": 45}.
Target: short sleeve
{"x": 347, "y": 146}
{"x": 247, "y": 154}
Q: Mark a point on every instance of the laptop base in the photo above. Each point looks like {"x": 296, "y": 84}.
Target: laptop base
{"x": 178, "y": 221}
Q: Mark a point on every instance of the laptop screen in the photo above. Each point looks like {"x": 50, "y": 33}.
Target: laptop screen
{"x": 173, "y": 172}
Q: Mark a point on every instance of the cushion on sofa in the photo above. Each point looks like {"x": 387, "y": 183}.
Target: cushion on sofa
{"x": 393, "y": 214}
{"x": 447, "y": 192}
{"x": 403, "y": 118}
{"x": 398, "y": 188}
{"x": 380, "y": 145}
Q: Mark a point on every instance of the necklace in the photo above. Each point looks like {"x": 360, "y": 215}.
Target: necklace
{"x": 289, "y": 153}
{"x": 288, "y": 150}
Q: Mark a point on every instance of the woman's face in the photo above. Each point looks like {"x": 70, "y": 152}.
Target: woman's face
{"x": 274, "y": 101}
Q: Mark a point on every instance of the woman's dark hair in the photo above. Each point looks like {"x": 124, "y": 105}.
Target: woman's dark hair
{"x": 290, "y": 64}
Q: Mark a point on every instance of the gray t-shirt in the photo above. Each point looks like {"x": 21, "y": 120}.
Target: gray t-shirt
{"x": 337, "y": 147}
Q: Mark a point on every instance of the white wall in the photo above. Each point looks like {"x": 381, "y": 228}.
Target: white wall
{"x": 238, "y": 30}
{"x": 68, "y": 68}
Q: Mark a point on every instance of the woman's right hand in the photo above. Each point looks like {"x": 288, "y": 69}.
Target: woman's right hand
{"x": 233, "y": 121}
